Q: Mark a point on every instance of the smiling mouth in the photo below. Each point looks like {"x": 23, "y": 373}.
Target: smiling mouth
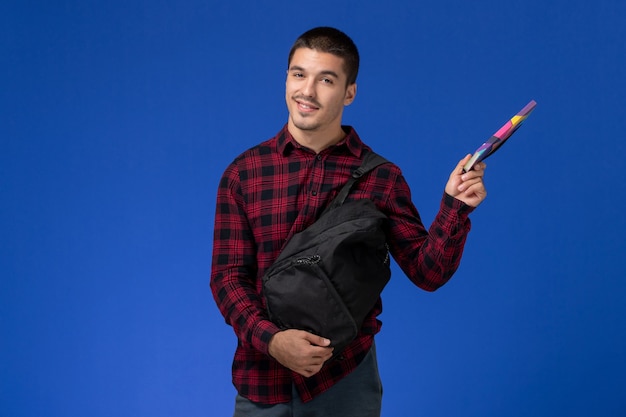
{"x": 305, "y": 106}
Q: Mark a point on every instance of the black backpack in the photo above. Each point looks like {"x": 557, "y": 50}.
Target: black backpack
{"x": 329, "y": 276}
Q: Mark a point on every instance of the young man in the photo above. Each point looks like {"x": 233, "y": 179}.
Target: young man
{"x": 280, "y": 187}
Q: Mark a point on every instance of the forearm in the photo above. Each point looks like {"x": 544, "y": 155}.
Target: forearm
{"x": 234, "y": 267}
{"x": 440, "y": 256}
{"x": 241, "y": 306}
{"x": 430, "y": 258}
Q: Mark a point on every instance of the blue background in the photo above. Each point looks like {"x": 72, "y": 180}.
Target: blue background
{"x": 117, "y": 119}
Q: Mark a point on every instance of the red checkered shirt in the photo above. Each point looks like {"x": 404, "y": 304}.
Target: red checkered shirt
{"x": 278, "y": 188}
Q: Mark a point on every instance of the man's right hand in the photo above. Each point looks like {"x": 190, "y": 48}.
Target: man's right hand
{"x": 300, "y": 351}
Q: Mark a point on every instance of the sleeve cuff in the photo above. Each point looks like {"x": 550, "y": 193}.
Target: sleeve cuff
{"x": 452, "y": 206}
{"x": 453, "y": 217}
{"x": 263, "y": 333}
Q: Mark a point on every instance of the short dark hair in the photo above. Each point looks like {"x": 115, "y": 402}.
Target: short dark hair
{"x": 333, "y": 41}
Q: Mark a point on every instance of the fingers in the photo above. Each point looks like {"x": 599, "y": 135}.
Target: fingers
{"x": 472, "y": 177}
{"x": 477, "y": 169}
{"x": 470, "y": 188}
{"x": 472, "y": 192}
{"x": 480, "y": 167}
{"x": 300, "y": 351}
{"x": 309, "y": 366}
{"x": 467, "y": 186}
{"x": 307, "y": 373}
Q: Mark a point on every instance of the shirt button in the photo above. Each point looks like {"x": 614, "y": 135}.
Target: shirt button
{"x": 319, "y": 157}
{"x": 313, "y": 192}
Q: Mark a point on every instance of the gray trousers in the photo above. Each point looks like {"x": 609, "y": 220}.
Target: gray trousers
{"x": 357, "y": 395}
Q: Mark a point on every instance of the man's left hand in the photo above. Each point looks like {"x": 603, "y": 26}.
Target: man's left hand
{"x": 467, "y": 186}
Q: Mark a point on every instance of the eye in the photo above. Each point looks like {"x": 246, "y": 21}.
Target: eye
{"x": 326, "y": 80}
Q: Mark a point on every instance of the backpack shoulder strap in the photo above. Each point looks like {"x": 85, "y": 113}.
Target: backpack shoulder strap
{"x": 370, "y": 161}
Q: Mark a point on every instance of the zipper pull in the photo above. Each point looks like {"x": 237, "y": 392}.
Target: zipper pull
{"x": 309, "y": 260}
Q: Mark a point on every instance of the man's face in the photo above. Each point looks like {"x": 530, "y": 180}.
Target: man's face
{"x": 316, "y": 92}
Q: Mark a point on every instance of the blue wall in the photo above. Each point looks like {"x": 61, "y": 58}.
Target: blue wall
{"x": 118, "y": 118}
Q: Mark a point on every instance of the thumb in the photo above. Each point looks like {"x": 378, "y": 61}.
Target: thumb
{"x": 464, "y": 161}
{"x": 317, "y": 340}
{"x": 459, "y": 169}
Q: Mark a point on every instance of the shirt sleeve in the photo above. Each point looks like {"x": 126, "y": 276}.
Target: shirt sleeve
{"x": 234, "y": 267}
{"x": 428, "y": 258}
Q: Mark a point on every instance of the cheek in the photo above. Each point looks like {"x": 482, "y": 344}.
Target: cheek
{"x": 288, "y": 94}
{"x": 290, "y": 86}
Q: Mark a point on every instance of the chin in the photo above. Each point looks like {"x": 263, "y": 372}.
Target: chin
{"x": 304, "y": 124}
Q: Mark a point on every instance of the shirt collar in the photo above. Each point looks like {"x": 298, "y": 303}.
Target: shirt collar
{"x": 285, "y": 142}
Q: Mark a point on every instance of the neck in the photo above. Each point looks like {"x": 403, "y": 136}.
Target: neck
{"x": 317, "y": 141}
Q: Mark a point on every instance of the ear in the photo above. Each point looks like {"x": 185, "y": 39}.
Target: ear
{"x": 350, "y": 94}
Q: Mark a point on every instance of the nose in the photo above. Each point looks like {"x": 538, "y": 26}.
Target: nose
{"x": 308, "y": 88}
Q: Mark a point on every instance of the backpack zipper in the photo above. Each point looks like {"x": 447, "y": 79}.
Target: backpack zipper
{"x": 308, "y": 260}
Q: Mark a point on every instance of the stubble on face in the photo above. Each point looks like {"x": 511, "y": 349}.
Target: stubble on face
{"x": 305, "y": 108}
{"x": 316, "y": 93}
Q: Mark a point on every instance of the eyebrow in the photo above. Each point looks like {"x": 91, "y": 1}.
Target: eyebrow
{"x": 325, "y": 72}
